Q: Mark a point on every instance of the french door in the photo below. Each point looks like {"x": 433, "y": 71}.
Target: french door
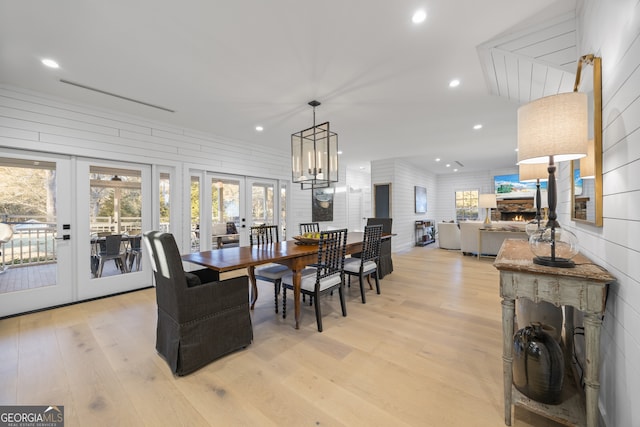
{"x": 36, "y": 250}
{"x": 224, "y": 207}
{"x": 114, "y": 203}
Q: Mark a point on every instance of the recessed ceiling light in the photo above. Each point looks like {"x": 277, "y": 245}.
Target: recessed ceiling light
{"x": 455, "y": 170}
{"x": 362, "y": 168}
{"x": 438, "y": 159}
{"x": 259, "y": 128}
{"x": 478, "y": 126}
{"x": 339, "y": 152}
{"x": 419, "y": 16}
{"x": 454, "y": 83}
{"x": 50, "y": 63}
{"x": 516, "y": 149}
{"x": 448, "y": 165}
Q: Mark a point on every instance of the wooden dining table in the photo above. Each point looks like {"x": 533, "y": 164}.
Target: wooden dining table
{"x": 289, "y": 253}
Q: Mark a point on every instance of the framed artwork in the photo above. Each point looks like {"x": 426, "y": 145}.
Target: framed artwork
{"x": 322, "y": 204}
{"x": 421, "y": 199}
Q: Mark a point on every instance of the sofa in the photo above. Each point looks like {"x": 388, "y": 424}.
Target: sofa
{"x": 449, "y": 235}
{"x": 491, "y": 242}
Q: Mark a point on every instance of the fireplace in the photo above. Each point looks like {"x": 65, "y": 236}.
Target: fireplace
{"x": 514, "y": 210}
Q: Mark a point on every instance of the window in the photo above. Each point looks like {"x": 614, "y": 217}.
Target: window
{"x": 466, "y": 204}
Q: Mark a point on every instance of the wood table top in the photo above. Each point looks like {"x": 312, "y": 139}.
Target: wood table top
{"x": 515, "y": 255}
{"x": 228, "y": 259}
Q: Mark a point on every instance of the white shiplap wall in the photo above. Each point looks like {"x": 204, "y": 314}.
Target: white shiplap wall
{"x": 611, "y": 29}
{"x": 36, "y": 122}
{"x": 448, "y": 184}
{"x": 403, "y": 176}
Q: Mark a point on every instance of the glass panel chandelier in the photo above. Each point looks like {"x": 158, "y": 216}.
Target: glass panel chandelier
{"x": 314, "y": 155}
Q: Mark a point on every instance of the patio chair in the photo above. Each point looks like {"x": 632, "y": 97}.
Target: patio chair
{"x": 134, "y": 252}
{"x": 110, "y": 249}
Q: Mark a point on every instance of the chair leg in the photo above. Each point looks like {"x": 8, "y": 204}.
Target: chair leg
{"x": 276, "y": 290}
{"x": 377, "y": 282}
{"x": 284, "y": 302}
{"x": 343, "y": 304}
{"x": 319, "y": 313}
{"x": 100, "y": 267}
{"x": 361, "y": 280}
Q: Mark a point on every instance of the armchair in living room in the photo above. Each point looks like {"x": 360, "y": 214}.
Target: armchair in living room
{"x": 449, "y": 235}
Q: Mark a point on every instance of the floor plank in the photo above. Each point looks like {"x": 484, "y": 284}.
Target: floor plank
{"x": 426, "y": 352}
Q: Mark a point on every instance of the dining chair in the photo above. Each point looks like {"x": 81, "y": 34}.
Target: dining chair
{"x": 385, "y": 266}
{"x": 309, "y": 227}
{"x": 134, "y": 251}
{"x": 324, "y": 276}
{"x": 200, "y": 318}
{"x": 367, "y": 264}
{"x": 110, "y": 249}
{"x": 262, "y": 235}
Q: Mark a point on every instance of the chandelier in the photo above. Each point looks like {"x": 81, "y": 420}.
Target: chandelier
{"x": 314, "y": 155}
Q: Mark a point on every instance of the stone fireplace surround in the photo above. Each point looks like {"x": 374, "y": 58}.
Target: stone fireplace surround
{"x": 514, "y": 210}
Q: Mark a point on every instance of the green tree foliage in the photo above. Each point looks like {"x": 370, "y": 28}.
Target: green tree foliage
{"x": 27, "y": 192}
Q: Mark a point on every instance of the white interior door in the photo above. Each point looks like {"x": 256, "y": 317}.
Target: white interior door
{"x": 36, "y": 260}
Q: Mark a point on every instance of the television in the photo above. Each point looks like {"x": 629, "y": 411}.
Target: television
{"x": 510, "y": 187}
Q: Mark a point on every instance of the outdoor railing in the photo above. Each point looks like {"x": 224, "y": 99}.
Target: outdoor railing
{"x": 31, "y": 243}
{"x": 34, "y": 240}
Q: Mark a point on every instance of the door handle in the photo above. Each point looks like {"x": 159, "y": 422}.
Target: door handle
{"x": 64, "y": 237}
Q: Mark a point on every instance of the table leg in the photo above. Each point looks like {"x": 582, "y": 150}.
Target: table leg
{"x": 592, "y": 324}
{"x": 508, "y": 310}
{"x": 254, "y": 287}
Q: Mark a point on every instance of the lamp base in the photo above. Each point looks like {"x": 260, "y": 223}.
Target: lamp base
{"x": 554, "y": 262}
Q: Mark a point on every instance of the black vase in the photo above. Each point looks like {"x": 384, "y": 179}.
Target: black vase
{"x": 538, "y": 364}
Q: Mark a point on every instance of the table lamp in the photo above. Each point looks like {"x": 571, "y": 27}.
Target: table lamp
{"x": 487, "y": 201}
{"x": 553, "y": 129}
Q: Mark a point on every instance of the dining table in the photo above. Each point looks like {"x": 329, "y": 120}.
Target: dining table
{"x": 290, "y": 253}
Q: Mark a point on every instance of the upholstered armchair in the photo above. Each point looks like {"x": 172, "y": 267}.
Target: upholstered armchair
{"x": 200, "y": 318}
{"x": 449, "y": 235}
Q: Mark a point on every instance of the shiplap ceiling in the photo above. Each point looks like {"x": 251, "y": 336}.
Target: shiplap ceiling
{"x": 224, "y": 67}
{"x": 532, "y": 63}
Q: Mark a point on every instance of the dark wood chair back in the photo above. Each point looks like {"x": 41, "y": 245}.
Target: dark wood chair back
{"x": 309, "y": 227}
{"x": 261, "y": 234}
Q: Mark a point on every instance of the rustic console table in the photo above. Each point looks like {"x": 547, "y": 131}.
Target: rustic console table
{"x": 583, "y": 287}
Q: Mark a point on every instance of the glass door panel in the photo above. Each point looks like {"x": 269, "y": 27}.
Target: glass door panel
{"x": 34, "y": 255}
{"x": 164, "y": 199}
{"x": 227, "y": 223}
{"x": 264, "y": 201}
{"x": 114, "y": 207}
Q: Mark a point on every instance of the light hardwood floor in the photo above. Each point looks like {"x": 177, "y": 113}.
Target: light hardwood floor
{"x": 426, "y": 352}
